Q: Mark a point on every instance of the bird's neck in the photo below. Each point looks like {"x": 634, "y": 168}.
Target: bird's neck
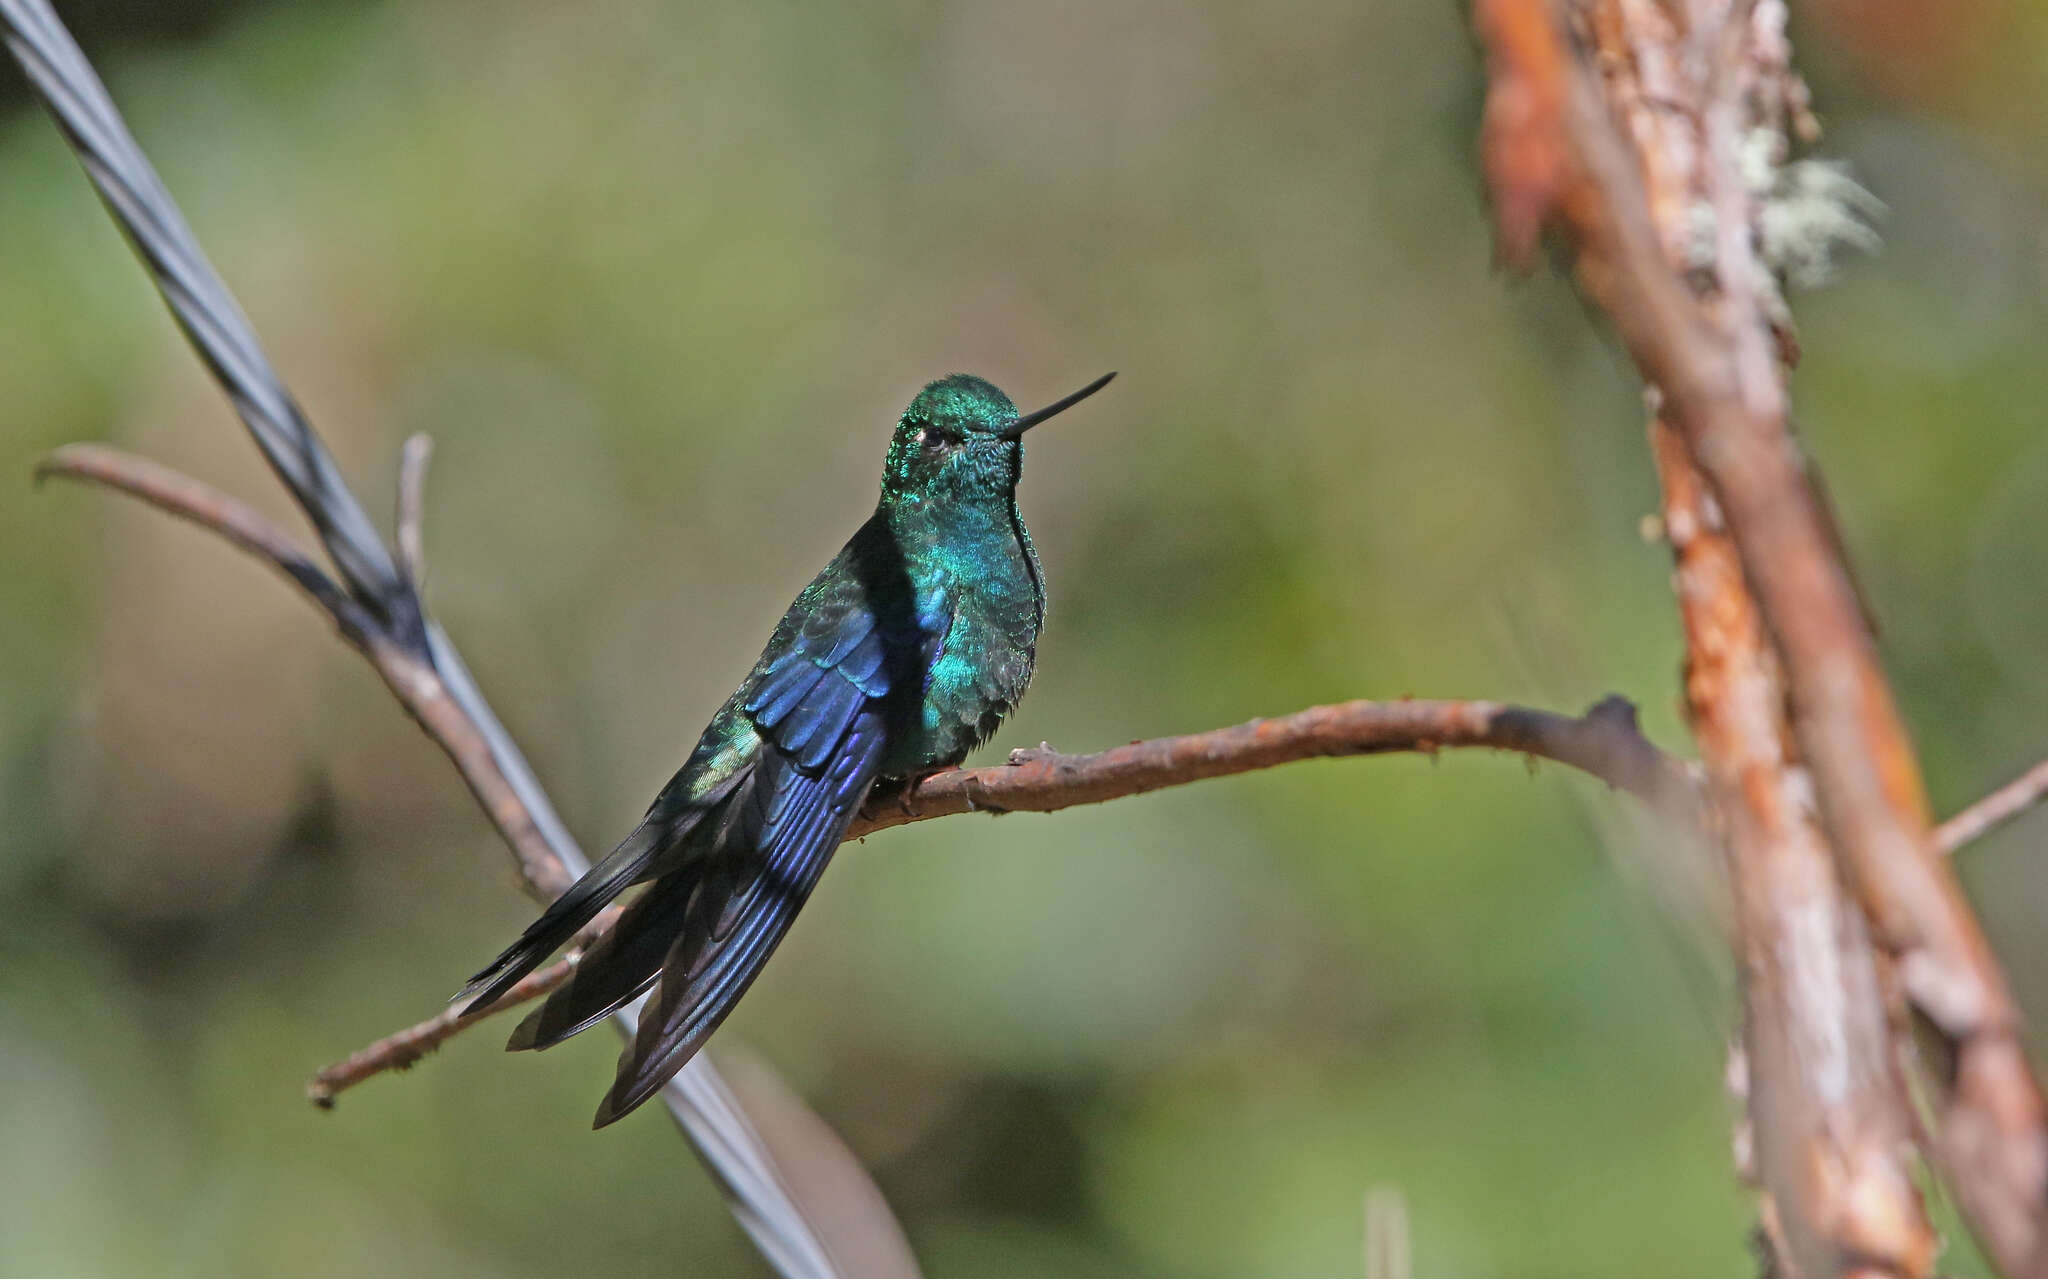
{"x": 982, "y": 542}
{"x": 928, "y": 520}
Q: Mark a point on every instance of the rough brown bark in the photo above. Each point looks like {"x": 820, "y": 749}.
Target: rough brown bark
{"x": 1574, "y": 84}
{"x": 1829, "y": 1123}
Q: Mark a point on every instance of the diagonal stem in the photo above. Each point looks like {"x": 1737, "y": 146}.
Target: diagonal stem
{"x": 1994, "y": 810}
{"x": 388, "y": 621}
{"x": 698, "y": 1098}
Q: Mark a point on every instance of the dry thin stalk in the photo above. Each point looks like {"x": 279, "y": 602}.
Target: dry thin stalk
{"x": 1994, "y": 810}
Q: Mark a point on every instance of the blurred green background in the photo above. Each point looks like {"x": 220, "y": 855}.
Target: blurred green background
{"x": 658, "y": 278}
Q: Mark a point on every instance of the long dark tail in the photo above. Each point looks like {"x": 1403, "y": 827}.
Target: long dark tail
{"x": 616, "y": 970}
{"x": 567, "y": 914}
{"x": 701, "y": 980}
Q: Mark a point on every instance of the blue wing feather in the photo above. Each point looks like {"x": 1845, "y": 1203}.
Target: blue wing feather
{"x": 827, "y": 715}
{"x": 617, "y": 969}
{"x": 783, "y": 688}
{"x": 866, "y": 664}
{"x": 795, "y": 752}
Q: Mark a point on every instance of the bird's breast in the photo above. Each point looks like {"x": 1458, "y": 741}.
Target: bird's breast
{"x": 983, "y": 605}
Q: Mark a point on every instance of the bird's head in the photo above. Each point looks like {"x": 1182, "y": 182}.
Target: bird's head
{"x": 960, "y": 440}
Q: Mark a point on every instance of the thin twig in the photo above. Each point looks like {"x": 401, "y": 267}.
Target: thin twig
{"x": 400, "y": 1050}
{"x": 206, "y": 311}
{"x": 417, "y": 685}
{"x": 1389, "y": 1253}
{"x": 1605, "y": 742}
{"x": 1666, "y": 784}
{"x": 700, "y": 1100}
{"x": 188, "y": 499}
{"x": 412, "y": 501}
{"x": 1994, "y": 810}
{"x": 403, "y": 1050}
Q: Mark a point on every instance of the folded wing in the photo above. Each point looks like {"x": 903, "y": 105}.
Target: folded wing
{"x": 813, "y": 717}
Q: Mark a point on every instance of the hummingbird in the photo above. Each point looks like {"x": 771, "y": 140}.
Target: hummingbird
{"x": 900, "y": 657}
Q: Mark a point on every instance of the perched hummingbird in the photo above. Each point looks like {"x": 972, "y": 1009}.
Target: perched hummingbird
{"x": 900, "y": 657}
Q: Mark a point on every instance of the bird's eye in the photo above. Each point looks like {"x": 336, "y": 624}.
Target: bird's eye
{"x": 938, "y": 437}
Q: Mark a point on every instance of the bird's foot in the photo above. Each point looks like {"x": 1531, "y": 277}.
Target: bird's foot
{"x": 898, "y": 791}
{"x": 879, "y": 797}
{"x": 915, "y": 780}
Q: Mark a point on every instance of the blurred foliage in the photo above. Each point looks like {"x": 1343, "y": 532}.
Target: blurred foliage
{"x": 658, "y": 277}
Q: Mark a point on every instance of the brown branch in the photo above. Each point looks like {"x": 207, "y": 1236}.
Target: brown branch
{"x": 763, "y": 1200}
{"x": 1604, "y": 742}
{"x": 1828, "y": 1121}
{"x": 416, "y": 685}
{"x": 240, "y": 524}
{"x": 403, "y": 1050}
{"x": 1827, "y": 1125}
{"x": 1036, "y": 781}
{"x": 1717, "y": 370}
{"x": 1994, "y": 810}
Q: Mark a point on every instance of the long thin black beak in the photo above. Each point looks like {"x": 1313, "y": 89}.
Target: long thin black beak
{"x": 1056, "y": 408}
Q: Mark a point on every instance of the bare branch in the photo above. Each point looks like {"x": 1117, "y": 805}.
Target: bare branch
{"x": 233, "y": 519}
{"x": 1826, "y": 1129}
{"x": 1828, "y": 1125}
{"x": 1604, "y": 742}
{"x": 206, "y": 312}
{"x": 417, "y": 685}
{"x": 401, "y": 1051}
{"x": 412, "y": 499}
{"x": 1717, "y": 370}
{"x": 450, "y": 707}
{"x": 1994, "y": 810}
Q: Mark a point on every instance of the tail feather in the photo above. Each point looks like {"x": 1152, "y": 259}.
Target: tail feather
{"x": 567, "y": 914}
{"x": 675, "y": 1026}
{"x": 616, "y": 970}
{"x": 660, "y": 841}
